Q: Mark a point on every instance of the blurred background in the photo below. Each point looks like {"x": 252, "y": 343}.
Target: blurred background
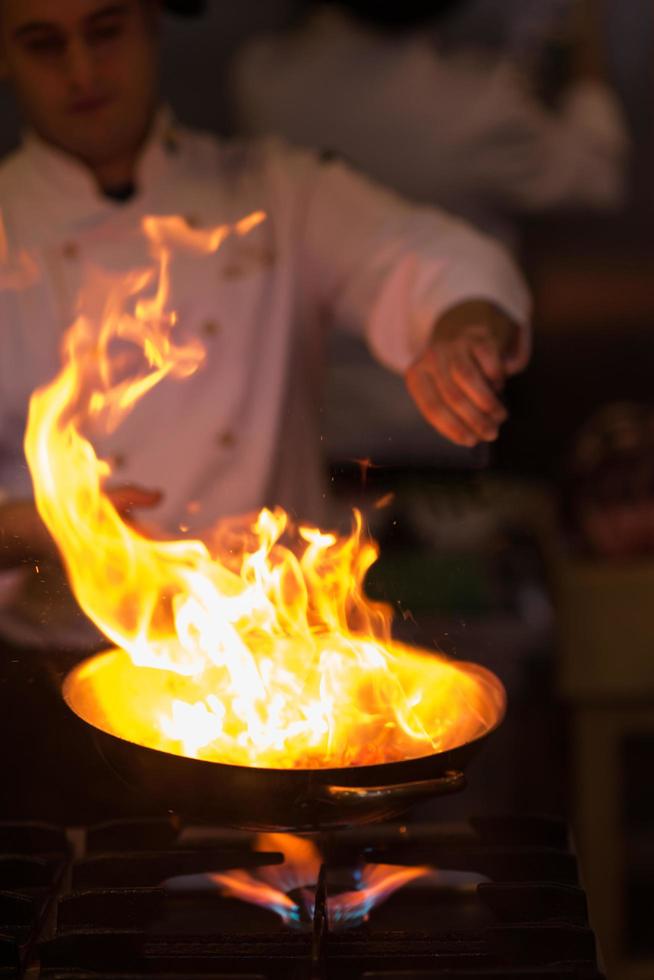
{"x": 532, "y": 118}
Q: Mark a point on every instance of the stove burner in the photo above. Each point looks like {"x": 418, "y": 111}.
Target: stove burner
{"x": 91, "y": 903}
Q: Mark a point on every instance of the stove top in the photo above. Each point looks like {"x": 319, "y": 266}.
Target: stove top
{"x": 132, "y": 898}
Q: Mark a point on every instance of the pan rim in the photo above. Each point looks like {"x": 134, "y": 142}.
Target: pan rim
{"x": 329, "y": 773}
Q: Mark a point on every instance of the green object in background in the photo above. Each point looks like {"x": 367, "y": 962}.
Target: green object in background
{"x": 458, "y": 583}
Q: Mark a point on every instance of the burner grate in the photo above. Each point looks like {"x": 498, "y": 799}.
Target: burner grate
{"x": 99, "y": 902}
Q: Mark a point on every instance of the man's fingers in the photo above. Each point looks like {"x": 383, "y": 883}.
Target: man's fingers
{"x": 432, "y": 405}
{"x": 487, "y": 355}
{"x": 456, "y": 382}
{"x": 469, "y": 376}
{"x": 482, "y": 425}
{"x": 128, "y": 498}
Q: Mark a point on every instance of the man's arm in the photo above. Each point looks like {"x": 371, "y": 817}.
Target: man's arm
{"x": 437, "y": 301}
{"x": 25, "y": 538}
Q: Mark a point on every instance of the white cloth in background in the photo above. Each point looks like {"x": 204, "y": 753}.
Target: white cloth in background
{"x": 448, "y": 128}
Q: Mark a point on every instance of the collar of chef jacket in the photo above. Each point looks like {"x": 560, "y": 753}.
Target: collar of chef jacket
{"x": 74, "y": 201}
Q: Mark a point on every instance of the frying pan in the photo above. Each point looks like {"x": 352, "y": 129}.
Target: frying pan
{"x": 273, "y": 799}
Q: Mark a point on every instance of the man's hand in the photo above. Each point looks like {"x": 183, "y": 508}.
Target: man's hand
{"x": 24, "y": 536}
{"x": 456, "y": 382}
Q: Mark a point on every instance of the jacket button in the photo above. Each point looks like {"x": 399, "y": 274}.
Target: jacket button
{"x": 171, "y": 141}
{"x": 232, "y": 271}
{"x": 210, "y": 328}
{"x": 226, "y": 439}
{"x": 70, "y": 250}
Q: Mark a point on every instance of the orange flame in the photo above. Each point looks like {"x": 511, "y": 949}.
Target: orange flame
{"x": 271, "y": 886}
{"x": 261, "y": 646}
{"x": 378, "y": 882}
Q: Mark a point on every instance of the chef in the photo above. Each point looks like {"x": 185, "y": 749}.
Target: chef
{"x": 437, "y": 301}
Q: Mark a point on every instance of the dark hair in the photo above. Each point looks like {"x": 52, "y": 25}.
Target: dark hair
{"x": 399, "y": 15}
{"x": 186, "y": 8}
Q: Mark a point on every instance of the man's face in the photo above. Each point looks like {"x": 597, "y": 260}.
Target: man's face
{"x": 85, "y": 71}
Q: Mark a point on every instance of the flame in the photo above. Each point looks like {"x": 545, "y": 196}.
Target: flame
{"x": 271, "y": 886}
{"x": 255, "y": 645}
{"x": 378, "y": 882}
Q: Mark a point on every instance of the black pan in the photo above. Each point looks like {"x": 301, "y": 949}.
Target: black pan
{"x": 274, "y": 799}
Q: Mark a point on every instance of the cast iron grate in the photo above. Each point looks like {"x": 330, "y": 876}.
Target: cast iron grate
{"x": 96, "y": 902}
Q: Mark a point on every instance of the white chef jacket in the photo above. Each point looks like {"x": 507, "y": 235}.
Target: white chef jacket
{"x": 245, "y": 429}
{"x": 453, "y": 128}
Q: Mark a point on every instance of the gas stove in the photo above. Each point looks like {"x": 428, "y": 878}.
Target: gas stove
{"x": 137, "y": 898}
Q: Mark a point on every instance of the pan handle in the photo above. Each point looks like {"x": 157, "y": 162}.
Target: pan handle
{"x": 449, "y": 782}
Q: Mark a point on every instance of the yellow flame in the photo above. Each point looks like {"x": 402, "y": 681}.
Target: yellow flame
{"x": 266, "y": 650}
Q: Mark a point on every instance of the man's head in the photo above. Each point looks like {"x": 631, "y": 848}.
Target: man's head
{"x": 85, "y": 72}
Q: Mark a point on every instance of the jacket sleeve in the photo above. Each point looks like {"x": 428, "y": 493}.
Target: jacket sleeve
{"x": 388, "y": 269}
